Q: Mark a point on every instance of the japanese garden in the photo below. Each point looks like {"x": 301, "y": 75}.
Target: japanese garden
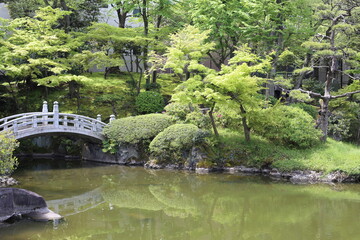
{"x": 179, "y": 119}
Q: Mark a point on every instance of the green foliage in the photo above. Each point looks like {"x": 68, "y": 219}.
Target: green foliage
{"x": 339, "y": 125}
{"x": 199, "y": 119}
{"x": 170, "y": 143}
{"x": 149, "y": 102}
{"x": 286, "y": 125}
{"x": 109, "y": 146}
{"x": 187, "y": 49}
{"x": 178, "y": 111}
{"x": 287, "y": 58}
{"x": 8, "y": 162}
{"x": 34, "y": 49}
{"x": 311, "y": 110}
{"x": 298, "y": 95}
{"x": 137, "y": 129}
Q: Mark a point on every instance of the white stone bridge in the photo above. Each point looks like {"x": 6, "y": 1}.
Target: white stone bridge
{"x": 33, "y": 124}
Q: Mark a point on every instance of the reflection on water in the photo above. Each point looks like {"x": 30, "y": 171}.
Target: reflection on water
{"x": 114, "y": 202}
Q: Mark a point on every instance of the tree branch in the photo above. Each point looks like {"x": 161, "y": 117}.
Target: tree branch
{"x": 312, "y": 94}
{"x": 345, "y": 94}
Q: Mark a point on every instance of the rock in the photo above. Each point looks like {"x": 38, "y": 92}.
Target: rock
{"x": 126, "y": 154}
{"x": 202, "y": 170}
{"x": 336, "y": 176}
{"x": 6, "y": 181}
{"x": 42, "y": 215}
{"x": 195, "y": 155}
{"x": 152, "y": 164}
{"x": 18, "y": 203}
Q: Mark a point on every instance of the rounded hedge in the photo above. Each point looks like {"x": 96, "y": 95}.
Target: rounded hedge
{"x": 149, "y": 102}
{"x": 137, "y": 129}
{"x": 173, "y": 140}
{"x": 289, "y": 126}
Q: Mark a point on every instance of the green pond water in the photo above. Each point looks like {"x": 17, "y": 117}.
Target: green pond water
{"x": 118, "y": 202}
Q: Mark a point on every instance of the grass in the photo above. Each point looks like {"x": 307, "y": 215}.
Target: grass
{"x": 327, "y": 157}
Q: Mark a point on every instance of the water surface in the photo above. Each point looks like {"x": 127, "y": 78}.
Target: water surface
{"x": 117, "y": 202}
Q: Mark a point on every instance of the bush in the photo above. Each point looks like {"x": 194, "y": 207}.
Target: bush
{"x": 179, "y": 111}
{"x": 286, "y": 125}
{"x": 311, "y": 110}
{"x": 8, "y": 162}
{"x": 137, "y": 129}
{"x": 199, "y": 119}
{"x": 149, "y": 102}
{"x": 170, "y": 144}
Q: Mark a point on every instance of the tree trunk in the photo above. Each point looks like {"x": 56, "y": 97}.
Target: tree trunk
{"x": 213, "y": 121}
{"x": 66, "y": 17}
{"x": 244, "y": 123}
{"x": 122, "y": 15}
{"x": 145, "y": 17}
{"x": 154, "y": 76}
{"x": 324, "y": 117}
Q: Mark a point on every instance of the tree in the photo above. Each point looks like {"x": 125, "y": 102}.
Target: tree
{"x": 332, "y": 45}
{"x": 34, "y": 51}
{"x": 123, "y": 9}
{"x": 235, "y": 88}
{"x": 238, "y": 85}
{"x": 84, "y": 12}
{"x": 265, "y": 25}
{"x": 186, "y": 50}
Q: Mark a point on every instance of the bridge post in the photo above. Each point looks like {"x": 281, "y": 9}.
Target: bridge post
{"x": 95, "y": 124}
{"x": 45, "y": 110}
{"x": 34, "y": 122}
{"x": 65, "y": 121}
{"x": 76, "y": 124}
{"x": 112, "y": 118}
{"x": 15, "y": 126}
{"x": 56, "y": 114}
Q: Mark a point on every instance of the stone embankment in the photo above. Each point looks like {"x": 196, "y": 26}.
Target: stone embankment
{"x": 297, "y": 177}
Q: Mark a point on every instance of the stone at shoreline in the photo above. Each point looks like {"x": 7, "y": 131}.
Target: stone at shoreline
{"x": 126, "y": 154}
{"x": 18, "y": 203}
{"x": 297, "y": 176}
{"x": 6, "y": 181}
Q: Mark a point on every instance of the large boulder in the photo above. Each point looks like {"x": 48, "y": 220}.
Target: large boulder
{"x": 18, "y": 203}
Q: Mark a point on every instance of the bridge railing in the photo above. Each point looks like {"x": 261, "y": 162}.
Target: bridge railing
{"x": 7, "y": 119}
{"x": 60, "y": 120}
{"x": 52, "y": 121}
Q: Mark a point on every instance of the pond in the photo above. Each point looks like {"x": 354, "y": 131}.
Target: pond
{"x": 119, "y": 202}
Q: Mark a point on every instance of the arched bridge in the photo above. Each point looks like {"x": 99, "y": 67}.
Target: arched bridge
{"x": 38, "y": 123}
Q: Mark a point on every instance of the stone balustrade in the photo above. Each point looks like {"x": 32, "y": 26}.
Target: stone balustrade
{"x": 45, "y": 122}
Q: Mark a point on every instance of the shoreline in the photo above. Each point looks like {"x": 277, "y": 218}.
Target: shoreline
{"x": 295, "y": 176}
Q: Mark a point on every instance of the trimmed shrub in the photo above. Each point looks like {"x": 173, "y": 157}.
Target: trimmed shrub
{"x": 199, "y": 119}
{"x": 8, "y": 162}
{"x": 137, "y": 129}
{"x": 170, "y": 144}
{"x": 289, "y": 126}
{"x": 179, "y": 111}
{"x": 149, "y": 102}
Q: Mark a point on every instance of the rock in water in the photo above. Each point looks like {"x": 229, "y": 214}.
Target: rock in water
{"x": 16, "y": 202}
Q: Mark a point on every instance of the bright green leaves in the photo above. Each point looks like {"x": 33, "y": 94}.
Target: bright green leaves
{"x": 33, "y": 49}
{"x": 8, "y": 144}
{"x": 187, "y": 48}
